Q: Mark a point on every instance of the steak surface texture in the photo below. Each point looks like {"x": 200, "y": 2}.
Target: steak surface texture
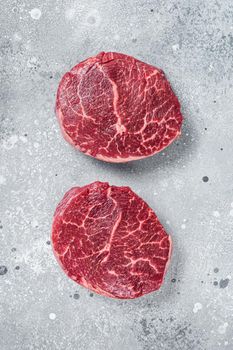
{"x": 116, "y": 108}
{"x": 107, "y": 239}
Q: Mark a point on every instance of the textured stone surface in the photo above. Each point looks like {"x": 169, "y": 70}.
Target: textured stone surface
{"x": 189, "y": 185}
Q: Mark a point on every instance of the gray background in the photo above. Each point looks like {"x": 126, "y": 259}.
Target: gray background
{"x": 40, "y": 308}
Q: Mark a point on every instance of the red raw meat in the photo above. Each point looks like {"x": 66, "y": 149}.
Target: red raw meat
{"x": 116, "y": 108}
{"x": 109, "y": 240}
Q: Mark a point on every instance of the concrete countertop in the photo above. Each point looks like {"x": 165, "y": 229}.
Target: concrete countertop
{"x": 189, "y": 185}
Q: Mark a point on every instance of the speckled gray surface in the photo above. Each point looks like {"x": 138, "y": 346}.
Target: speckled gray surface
{"x": 192, "y": 41}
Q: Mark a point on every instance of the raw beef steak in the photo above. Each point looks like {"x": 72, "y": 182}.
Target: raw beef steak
{"x": 109, "y": 240}
{"x": 116, "y": 108}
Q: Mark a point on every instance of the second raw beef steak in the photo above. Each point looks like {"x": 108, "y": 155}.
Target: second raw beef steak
{"x": 109, "y": 240}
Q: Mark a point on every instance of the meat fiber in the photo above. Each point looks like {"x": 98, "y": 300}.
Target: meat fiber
{"x": 116, "y": 108}
{"x": 107, "y": 239}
